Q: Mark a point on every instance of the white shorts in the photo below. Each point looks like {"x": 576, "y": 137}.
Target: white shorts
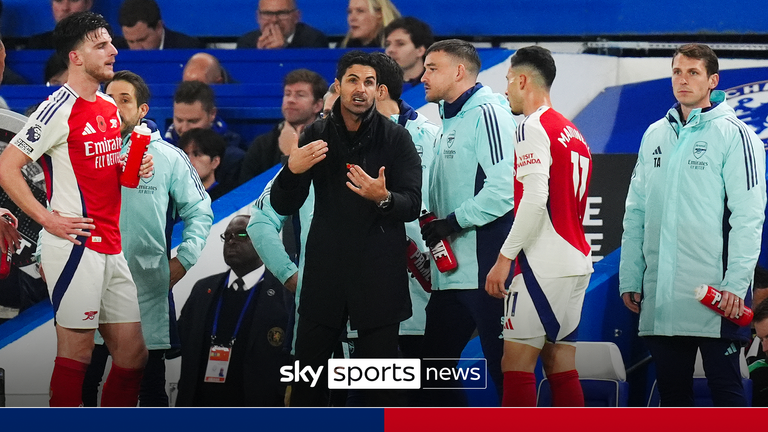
{"x": 88, "y": 288}
{"x": 543, "y": 308}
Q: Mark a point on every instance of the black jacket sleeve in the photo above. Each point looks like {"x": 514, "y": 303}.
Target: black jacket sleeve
{"x": 403, "y": 178}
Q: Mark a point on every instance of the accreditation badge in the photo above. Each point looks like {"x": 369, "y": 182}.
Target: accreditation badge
{"x": 218, "y": 364}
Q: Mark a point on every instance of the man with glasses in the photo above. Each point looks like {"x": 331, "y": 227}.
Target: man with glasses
{"x": 233, "y": 331}
{"x": 279, "y": 27}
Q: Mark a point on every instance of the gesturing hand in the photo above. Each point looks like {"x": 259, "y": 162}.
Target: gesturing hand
{"x": 374, "y": 189}
{"x": 304, "y": 158}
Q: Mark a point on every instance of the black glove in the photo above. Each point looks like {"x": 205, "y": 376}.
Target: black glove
{"x": 436, "y": 230}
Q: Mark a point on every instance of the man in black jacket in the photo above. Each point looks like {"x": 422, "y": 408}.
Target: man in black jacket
{"x": 367, "y": 180}
{"x": 143, "y": 28}
{"x": 279, "y": 27}
{"x": 241, "y": 315}
{"x": 303, "y": 92}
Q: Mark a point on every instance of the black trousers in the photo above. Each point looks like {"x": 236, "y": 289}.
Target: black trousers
{"x": 152, "y": 393}
{"x": 452, "y": 317}
{"x": 314, "y": 346}
{"x": 675, "y": 357}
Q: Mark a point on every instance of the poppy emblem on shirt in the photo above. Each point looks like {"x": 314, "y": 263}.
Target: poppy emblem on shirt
{"x": 101, "y": 123}
{"x": 276, "y": 336}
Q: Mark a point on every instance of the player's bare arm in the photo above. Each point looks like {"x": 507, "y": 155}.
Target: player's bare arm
{"x": 12, "y": 181}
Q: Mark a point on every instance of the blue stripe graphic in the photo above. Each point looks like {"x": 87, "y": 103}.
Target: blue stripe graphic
{"x": 749, "y": 156}
{"x": 62, "y": 284}
{"x": 494, "y": 136}
{"x": 540, "y": 301}
{"x": 47, "y": 114}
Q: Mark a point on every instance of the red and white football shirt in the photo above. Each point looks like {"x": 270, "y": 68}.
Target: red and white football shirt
{"x": 79, "y": 143}
{"x": 548, "y": 143}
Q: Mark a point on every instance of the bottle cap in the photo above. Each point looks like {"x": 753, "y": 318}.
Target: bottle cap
{"x": 700, "y": 292}
{"x": 142, "y": 130}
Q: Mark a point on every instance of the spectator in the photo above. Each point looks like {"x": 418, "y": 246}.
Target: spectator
{"x": 472, "y": 198}
{"x": 328, "y": 100}
{"x": 55, "y": 71}
{"x": 60, "y": 10}
{"x": 367, "y": 19}
{"x": 406, "y": 41}
{"x": 355, "y": 247}
{"x": 665, "y": 254}
{"x": 174, "y": 186}
{"x": 303, "y": 92}
{"x": 279, "y": 27}
{"x": 194, "y": 106}
{"x": 205, "y": 68}
{"x": 210, "y": 321}
{"x": 206, "y": 149}
{"x": 143, "y": 28}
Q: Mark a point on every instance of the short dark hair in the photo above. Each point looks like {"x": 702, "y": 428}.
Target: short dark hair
{"x": 390, "y": 74}
{"x": 189, "y": 92}
{"x": 207, "y": 140}
{"x": 133, "y": 11}
{"x": 539, "y": 59}
{"x": 460, "y": 49}
{"x": 355, "y": 57}
{"x": 74, "y": 29}
{"x": 140, "y": 88}
{"x": 419, "y": 31}
{"x": 700, "y": 52}
{"x": 760, "y": 311}
{"x": 761, "y": 278}
{"x": 54, "y": 66}
{"x": 318, "y": 83}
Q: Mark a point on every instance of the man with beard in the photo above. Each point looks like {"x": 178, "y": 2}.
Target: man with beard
{"x": 174, "y": 190}
{"x": 76, "y": 132}
{"x": 366, "y": 176}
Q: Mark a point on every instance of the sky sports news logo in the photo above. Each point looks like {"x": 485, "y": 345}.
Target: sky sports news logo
{"x": 392, "y": 373}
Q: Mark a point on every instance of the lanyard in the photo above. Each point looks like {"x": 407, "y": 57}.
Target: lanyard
{"x": 242, "y": 312}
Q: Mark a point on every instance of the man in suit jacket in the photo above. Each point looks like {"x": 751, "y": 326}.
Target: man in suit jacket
{"x": 143, "y": 28}
{"x": 279, "y": 27}
{"x": 243, "y": 314}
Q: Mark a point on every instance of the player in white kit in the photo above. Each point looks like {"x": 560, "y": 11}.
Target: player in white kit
{"x": 547, "y": 243}
{"x": 76, "y": 135}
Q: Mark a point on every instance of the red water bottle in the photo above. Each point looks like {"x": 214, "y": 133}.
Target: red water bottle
{"x": 139, "y": 144}
{"x": 7, "y": 256}
{"x": 418, "y": 265}
{"x": 441, "y": 252}
{"x": 710, "y": 298}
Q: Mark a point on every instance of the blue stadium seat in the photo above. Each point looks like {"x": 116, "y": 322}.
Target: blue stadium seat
{"x": 601, "y": 373}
